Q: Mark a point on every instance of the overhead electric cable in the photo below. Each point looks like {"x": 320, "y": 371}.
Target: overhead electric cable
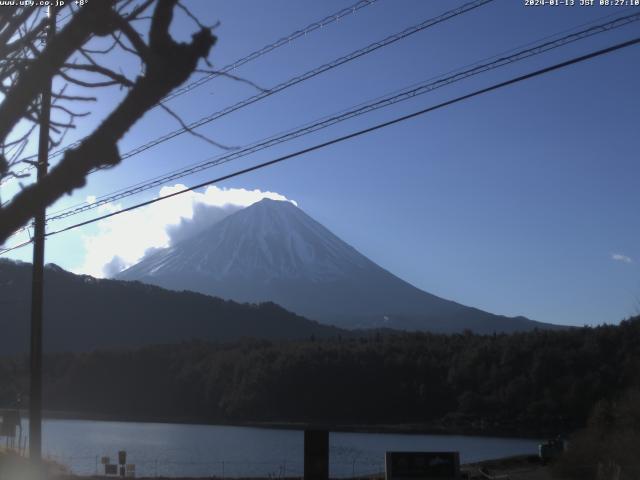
{"x": 285, "y": 40}
{"x": 358, "y": 133}
{"x": 334, "y": 17}
{"x": 15, "y": 247}
{"x": 310, "y": 74}
{"x": 372, "y": 47}
{"x": 378, "y": 103}
{"x": 598, "y": 29}
{"x": 325, "y": 122}
{"x": 209, "y": 163}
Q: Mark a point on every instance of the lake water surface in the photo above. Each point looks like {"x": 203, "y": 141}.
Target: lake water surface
{"x": 204, "y": 450}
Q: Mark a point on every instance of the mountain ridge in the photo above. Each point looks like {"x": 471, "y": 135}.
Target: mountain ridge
{"x": 273, "y": 251}
{"x": 83, "y": 313}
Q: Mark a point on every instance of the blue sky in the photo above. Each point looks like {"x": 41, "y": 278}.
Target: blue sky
{"x": 520, "y": 202}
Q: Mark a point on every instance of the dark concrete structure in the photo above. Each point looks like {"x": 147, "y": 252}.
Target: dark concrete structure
{"x": 316, "y": 455}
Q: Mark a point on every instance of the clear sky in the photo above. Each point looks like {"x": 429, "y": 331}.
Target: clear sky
{"x": 521, "y": 202}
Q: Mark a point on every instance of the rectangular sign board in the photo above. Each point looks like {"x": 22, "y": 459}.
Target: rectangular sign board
{"x": 422, "y": 466}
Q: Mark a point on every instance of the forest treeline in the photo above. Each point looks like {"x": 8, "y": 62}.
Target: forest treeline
{"x": 523, "y": 383}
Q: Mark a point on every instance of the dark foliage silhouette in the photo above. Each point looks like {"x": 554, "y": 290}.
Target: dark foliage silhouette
{"x": 539, "y": 382}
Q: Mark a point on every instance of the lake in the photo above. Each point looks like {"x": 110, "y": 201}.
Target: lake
{"x": 204, "y": 450}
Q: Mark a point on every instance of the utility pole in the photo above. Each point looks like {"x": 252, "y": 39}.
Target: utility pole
{"x": 35, "y": 392}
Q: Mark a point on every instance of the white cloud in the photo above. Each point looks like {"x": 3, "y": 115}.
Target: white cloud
{"x": 123, "y": 240}
{"x": 618, "y": 257}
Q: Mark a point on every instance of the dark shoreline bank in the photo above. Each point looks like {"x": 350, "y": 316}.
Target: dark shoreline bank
{"x": 399, "y": 428}
{"x": 518, "y": 467}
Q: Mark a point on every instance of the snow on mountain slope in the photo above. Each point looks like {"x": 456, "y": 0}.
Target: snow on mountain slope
{"x": 273, "y": 251}
{"x": 268, "y": 240}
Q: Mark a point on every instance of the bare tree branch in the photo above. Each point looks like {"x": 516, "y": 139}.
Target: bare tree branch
{"x": 167, "y": 63}
{"x": 191, "y": 131}
{"x": 115, "y": 77}
{"x": 233, "y": 77}
{"x": 82, "y": 83}
{"x": 31, "y": 82}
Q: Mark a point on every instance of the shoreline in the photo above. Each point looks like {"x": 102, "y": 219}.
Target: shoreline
{"x": 383, "y": 428}
{"x": 518, "y": 467}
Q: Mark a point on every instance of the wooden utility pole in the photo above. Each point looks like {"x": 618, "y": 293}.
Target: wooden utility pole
{"x": 35, "y": 392}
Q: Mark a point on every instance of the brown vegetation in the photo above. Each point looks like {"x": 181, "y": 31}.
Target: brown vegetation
{"x": 608, "y": 447}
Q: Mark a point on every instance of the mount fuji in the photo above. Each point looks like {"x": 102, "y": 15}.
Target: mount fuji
{"x": 273, "y": 251}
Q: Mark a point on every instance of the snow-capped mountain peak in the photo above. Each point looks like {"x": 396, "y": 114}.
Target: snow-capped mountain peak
{"x": 269, "y": 239}
{"x": 273, "y": 251}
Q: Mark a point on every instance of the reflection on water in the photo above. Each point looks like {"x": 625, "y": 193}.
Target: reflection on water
{"x": 224, "y": 451}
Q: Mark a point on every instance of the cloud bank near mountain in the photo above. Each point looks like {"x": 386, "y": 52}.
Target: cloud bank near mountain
{"x": 123, "y": 240}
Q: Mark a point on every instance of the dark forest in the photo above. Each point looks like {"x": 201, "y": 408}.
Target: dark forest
{"x": 534, "y": 383}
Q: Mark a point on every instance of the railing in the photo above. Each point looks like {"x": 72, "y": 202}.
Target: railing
{"x": 219, "y": 468}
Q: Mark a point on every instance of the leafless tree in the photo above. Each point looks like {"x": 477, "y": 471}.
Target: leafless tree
{"x": 139, "y": 28}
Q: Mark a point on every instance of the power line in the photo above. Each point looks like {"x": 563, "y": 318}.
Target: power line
{"x": 287, "y": 39}
{"x": 210, "y": 162}
{"x": 358, "y": 133}
{"x": 372, "y": 47}
{"x": 15, "y": 247}
{"x": 261, "y": 145}
{"x": 403, "y": 95}
{"x": 334, "y": 17}
{"x": 310, "y": 74}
